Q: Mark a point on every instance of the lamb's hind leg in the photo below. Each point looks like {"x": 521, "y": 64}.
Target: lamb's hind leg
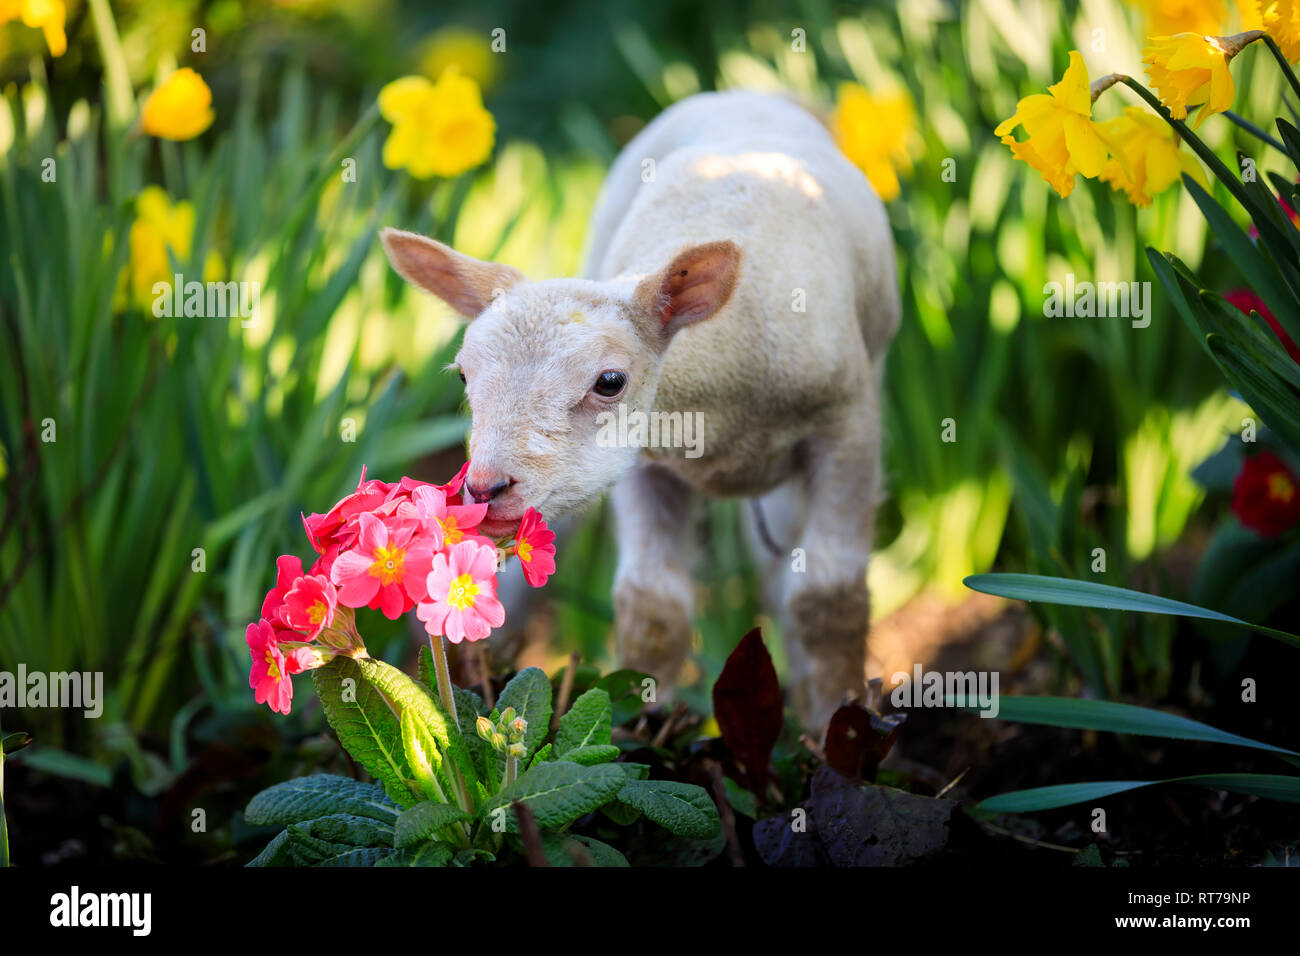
{"x": 653, "y": 606}
{"x": 827, "y": 607}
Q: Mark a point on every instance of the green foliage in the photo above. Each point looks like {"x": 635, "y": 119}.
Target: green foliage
{"x": 683, "y": 808}
{"x": 558, "y": 792}
{"x": 587, "y": 723}
{"x": 438, "y": 806}
{"x": 308, "y": 798}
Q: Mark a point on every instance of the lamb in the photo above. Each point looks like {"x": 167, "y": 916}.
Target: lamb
{"x": 740, "y": 271}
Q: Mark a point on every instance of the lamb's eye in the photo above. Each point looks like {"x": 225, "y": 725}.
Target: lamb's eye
{"x": 609, "y": 384}
{"x": 461, "y": 372}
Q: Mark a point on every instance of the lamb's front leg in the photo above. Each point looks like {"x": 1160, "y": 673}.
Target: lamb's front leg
{"x": 653, "y": 606}
{"x": 828, "y": 607}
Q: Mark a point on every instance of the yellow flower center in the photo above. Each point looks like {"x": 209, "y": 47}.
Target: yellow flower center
{"x": 450, "y": 533}
{"x": 462, "y": 592}
{"x": 317, "y": 613}
{"x": 389, "y": 564}
{"x": 524, "y": 550}
{"x": 1280, "y": 488}
{"x": 272, "y": 668}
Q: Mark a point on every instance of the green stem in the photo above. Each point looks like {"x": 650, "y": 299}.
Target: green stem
{"x": 117, "y": 79}
{"x": 1282, "y": 62}
{"x": 438, "y": 646}
{"x": 438, "y": 649}
{"x": 511, "y": 764}
{"x": 1224, "y": 174}
{"x": 1254, "y": 130}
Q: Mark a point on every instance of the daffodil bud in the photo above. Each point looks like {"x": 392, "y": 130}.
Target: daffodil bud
{"x": 516, "y": 750}
{"x": 484, "y": 728}
{"x": 499, "y": 741}
{"x": 507, "y": 716}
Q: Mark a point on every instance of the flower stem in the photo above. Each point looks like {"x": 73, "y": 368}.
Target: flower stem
{"x": 1254, "y": 130}
{"x": 1207, "y": 156}
{"x": 438, "y": 646}
{"x": 1282, "y": 62}
{"x": 512, "y": 764}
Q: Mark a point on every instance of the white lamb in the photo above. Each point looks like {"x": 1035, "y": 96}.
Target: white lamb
{"x": 740, "y": 272}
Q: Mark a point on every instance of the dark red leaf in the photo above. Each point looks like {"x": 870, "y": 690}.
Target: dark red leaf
{"x": 747, "y": 706}
{"x": 857, "y": 739}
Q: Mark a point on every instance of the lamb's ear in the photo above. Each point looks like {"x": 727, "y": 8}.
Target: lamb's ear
{"x": 695, "y": 285}
{"x": 466, "y": 284}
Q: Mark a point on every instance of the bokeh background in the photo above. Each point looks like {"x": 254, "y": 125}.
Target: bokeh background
{"x": 176, "y": 435}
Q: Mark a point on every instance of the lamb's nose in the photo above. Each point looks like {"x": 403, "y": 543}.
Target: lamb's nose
{"x": 484, "y": 495}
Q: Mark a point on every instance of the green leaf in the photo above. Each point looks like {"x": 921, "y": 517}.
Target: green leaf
{"x": 361, "y": 856}
{"x": 367, "y": 726}
{"x": 683, "y": 808}
{"x": 276, "y": 853}
{"x": 542, "y": 755}
{"x": 529, "y": 693}
{"x": 565, "y": 850}
{"x": 403, "y": 693}
{"x": 558, "y": 792}
{"x": 597, "y": 753}
{"x": 587, "y": 723}
{"x": 620, "y": 812}
{"x": 426, "y": 854}
{"x": 1272, "y": 786}
{"x": 1277, "y": 404}
{"x": 1052, "y": 590}
{"x": 472, "y": 855}
{"x": 12, "y": 743}
{"x": 422, "y": 754}
{"x": 347, "y": 828}
{"x": 307, "y": 798}
{"x": 602, "y": 853}
{"x": 1106, "y": 715}
{"x": 424, "y": 820}
{"x": 1261, "y": 275}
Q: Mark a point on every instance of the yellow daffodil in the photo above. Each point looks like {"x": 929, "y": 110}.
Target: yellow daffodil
{"x": 439, "y": 129}
{"x": 1063, "y": 139}
{"x": 1151, "y": 149}
{"x": 48, "y": 16}
{"x": 1189, "y": 70}
{"x": 180, "y": 108}
{"x": 876, "y": 133}
{"x": 160, "y": 225}
{"x": 1282, "y": 20}
{"x": 1164, "y": 17}
{"x": 469, "y": 51}
{"x": 1249, "y": 15}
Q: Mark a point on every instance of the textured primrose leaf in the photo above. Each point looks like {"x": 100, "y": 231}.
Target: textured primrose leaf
{"x": 426, "y": 854}
{"x": 306, "y": 798}
{"x": 422, "y": 754}
{"x": 529, "y": 693}
{"x": 558, "y": 792}
{"x": 424, "y": 820}
{"x": 594, "y": 754}
{"x": 347, "y": 828}
{"x": 404, "y": 694}
{"x": 586, "y": 724}
{"x": 542, "y": 755}
{"x": 361, "y": 856}
{"x": 564, "y": 849}
{"x": 683, "y": 808}
{"x": 366, "y": 727}
{"x": 276, "y": 853}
